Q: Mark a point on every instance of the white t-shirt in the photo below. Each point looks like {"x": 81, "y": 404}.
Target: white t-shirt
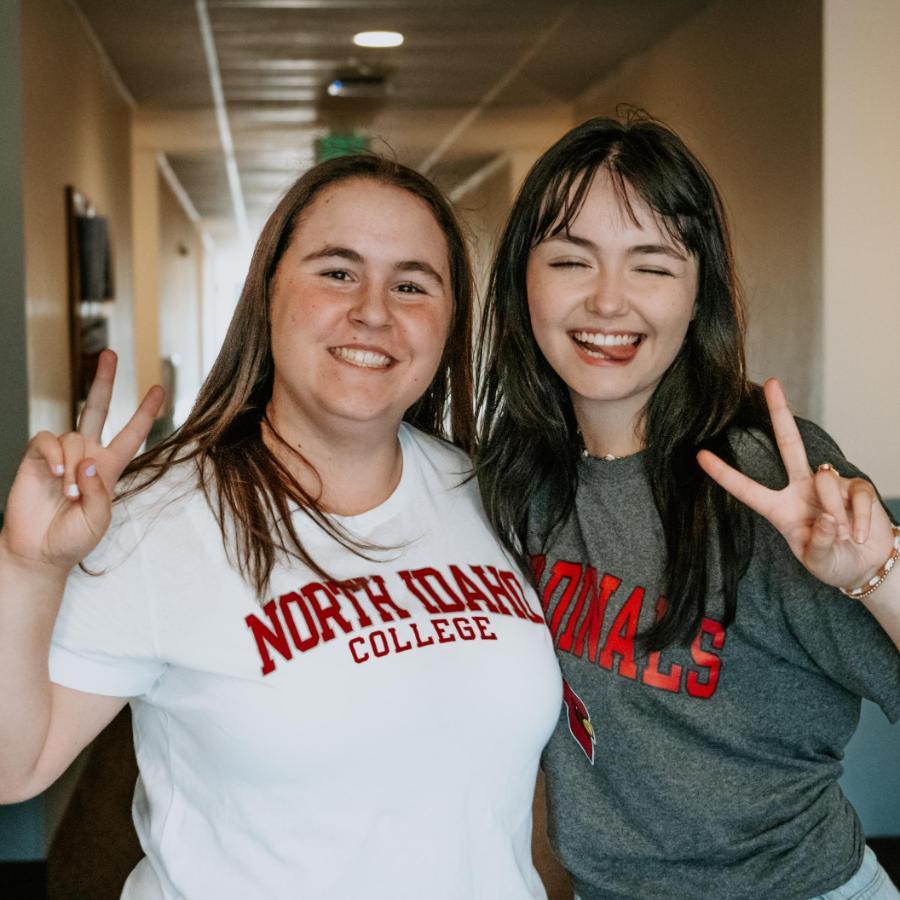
{"x": 374, "y": 738}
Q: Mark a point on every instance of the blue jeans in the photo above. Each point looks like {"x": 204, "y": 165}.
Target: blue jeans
{"x": 870, "y": 882}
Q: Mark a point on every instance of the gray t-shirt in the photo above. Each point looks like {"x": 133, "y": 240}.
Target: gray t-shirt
{"x": 709, "y": 770}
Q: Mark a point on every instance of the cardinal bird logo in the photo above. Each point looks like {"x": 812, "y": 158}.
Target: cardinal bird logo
{"x": 579, "y": 721}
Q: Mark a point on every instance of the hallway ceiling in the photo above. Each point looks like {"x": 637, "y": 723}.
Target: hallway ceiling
{"x": 467, "y": 84}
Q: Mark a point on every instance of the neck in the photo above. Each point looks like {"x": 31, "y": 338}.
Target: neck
{"x": 348, "y": 473}
{"x": 613, "y": 431}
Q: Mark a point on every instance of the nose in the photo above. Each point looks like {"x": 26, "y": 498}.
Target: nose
{"x": 607, "y": 295}
{"x": 372, "y": 305}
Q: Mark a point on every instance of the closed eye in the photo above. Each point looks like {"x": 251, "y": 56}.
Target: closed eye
{"x": 651, "y": 270}
{"x": 568, "y": 264}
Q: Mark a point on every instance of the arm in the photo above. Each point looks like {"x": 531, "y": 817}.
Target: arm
{"x": 884, "y": 604}
{"x": 58, "y": 509}
{"x": 835, "y": 526}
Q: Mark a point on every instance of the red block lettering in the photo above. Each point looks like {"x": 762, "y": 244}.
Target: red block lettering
{"x": 464, "y": 628}
{"x": 472, "y": 594}
{"x": 481, "y": 622}
{"x": 384, "y": 604}
{"x": 653, "y": 674}
{"x": 620, "y": 640}
{"x": 593, "y": 621}
{"x": 360, "y": 657}
{"x": 514, "y": 586}
{"x": 704, "y": 688}
{"x": 446, "y": 598}
{"x": 348, "y": 589}
{"x": 398, "y": 647}
{"x": 329, "y": 611}
{"x": 571, "y": 572}
{"x": 378, "y": 643}
{"x": 266, "y": 637}
{"x": 497, "y": 590}
{"x": 312, "y": 638}
{"x": 439, "y": 625}
{"x": 419, "y": 641}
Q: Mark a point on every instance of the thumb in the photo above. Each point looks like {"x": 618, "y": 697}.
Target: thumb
{"x": 95, "y": 501}
{"x": 819, "y": 551}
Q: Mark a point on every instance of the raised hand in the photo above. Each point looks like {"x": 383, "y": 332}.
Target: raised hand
{"x": 61, "y": 499}
{"x": 835, "y": 526}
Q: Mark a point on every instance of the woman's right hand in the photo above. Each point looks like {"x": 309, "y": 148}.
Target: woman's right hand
{"x": 60, "y": 502}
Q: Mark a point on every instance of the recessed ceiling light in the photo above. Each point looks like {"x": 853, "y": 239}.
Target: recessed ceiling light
{"x": 378, "y": 39}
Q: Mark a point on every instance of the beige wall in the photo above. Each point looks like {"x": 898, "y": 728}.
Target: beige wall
{"x": 741, "y": 82}
{"x": 861, "y": 231}
{"x": 181, "y": 283}
{"x": 76, "y": 130}
{"x": 483, "y": 208}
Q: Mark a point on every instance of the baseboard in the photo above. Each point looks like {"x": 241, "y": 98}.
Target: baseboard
{"x": 23, "y": 880}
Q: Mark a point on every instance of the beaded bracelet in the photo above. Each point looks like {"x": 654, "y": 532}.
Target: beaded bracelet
{"x": 878, "y": 579}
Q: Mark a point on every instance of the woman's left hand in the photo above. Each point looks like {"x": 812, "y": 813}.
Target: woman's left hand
{"x": 835, "y": 526}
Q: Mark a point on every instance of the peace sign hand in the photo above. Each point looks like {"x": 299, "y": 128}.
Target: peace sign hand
{"x": 835, "y": 526}
{"x": 60, "y": 502}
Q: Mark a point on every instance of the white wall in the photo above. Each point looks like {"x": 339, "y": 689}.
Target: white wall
{"x": 861, "y": 232}
{"x": 181, "y": 262}
{"x": 741, "y": 83}
{"x": 76, "y": 131}
{"x": 64, "y": 122}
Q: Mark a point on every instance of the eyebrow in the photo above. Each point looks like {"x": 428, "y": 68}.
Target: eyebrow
{"x": 407, "y": 265}
{"x": 342, "y": 252}
{"x": 665, "y": 249}
{"x": 418, "y": 265}
{"x": 643, "y": 249}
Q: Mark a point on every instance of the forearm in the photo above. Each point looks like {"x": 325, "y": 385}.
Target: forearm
{"x": 29, "y": 601}
{"x": 884, "y": 604}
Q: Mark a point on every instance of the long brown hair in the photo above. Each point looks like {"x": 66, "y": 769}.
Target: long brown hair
{"x": 246, "y": 485}
{"x": 529, "y": 433}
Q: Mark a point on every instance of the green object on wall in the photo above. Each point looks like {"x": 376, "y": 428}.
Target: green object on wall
{"x": 334, "y": 145}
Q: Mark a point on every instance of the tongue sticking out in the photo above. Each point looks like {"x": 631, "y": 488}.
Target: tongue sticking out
{"x": 618, "y": 352}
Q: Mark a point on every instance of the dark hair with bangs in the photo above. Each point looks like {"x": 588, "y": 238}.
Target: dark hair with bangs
{"x": 250, "y": 490}
{"x": 529, "y": 433}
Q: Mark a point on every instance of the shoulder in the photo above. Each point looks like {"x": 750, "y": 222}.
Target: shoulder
{"x": 159, "y": 510}
{"x": 758, "y": 457}
{"x": 141, "y": 496}
{"x": 437, "y": 458}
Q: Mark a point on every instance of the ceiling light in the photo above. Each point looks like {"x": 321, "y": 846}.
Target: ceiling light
{"x": 378, "y": 39}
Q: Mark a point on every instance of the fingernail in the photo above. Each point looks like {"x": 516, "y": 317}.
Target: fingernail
{"x": 843, "y": 533}
{"x": 90, "y": 471}
{"x": 59, "y": 469}
{"x": 860, "y": 537}
{"x": 72, "y": 491}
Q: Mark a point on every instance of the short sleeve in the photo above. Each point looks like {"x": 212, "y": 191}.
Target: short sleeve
{"x": 839, "y": 635}
{"x": 104, "y": 638}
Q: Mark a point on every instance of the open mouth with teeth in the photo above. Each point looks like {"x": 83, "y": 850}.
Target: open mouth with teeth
{"x": 618, "y": 347}
{"x": 363, "y": 359}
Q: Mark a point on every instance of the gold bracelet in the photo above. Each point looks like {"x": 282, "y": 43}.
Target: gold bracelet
{"x": 878, "y": 579}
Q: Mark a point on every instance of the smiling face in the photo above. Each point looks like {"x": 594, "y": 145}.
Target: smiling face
{"x": 610, "y": 302}
{"x": 360, "y": 309}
